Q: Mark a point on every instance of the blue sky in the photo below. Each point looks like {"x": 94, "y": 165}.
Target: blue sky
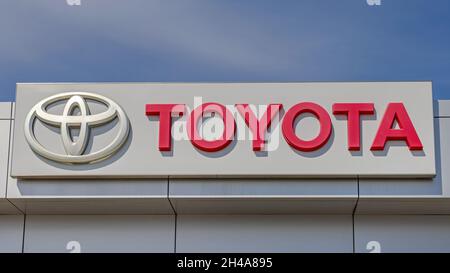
{"x": 224, "y": 41}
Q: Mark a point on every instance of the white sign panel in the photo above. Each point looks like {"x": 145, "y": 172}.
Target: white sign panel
{"x": 382, "y": 129}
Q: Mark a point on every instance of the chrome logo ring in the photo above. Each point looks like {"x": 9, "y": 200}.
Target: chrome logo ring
{"x": 75, "y": 149}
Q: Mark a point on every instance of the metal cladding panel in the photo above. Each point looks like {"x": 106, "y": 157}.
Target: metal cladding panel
{"x": 442, "y": 108}
{"x": 402, "y": 233}
{"x": 5, "y": 206}
{"x": 99, "y": 233}
{"x": 139, "y": 156}
{"x": 11, "y": 233}
{"x": 264, "y": 233}
{"x": 90, "y": 196}
{"x": 4, "y": 145}
{"x": 5, "y": 110}
{"x": 263, "y": 196}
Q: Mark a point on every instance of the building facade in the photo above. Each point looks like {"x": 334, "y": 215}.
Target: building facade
{"x": 147, "y": 193}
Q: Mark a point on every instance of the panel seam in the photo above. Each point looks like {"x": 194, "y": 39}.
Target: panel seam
{"x": 23, "y": 235}
{"x": 8, "y": 165}
{"x": 176, "y": 216}
{"x": 353, "y": 215}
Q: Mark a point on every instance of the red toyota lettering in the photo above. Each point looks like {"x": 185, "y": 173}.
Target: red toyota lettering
{"x": 353, "y": 111}
{"x": 228, "y": 131}
{"x": 289, "y": 130}
{"x": 396, "y": 112}
{"x": 165, "y": 113}
{"x": 258, "y": 127}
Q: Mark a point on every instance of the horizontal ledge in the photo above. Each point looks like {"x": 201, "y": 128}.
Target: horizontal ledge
{"x": 299, "y": 197}
{"x": 80, "y": 197}
{"x": 405, "y": 197}
{"x": 215, "y": 176}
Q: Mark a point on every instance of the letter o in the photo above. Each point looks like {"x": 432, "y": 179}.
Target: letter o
{"x": 289, "y": 131}
{"x": 228, "y": 131}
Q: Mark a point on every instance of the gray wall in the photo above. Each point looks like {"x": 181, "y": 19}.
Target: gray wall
{"x": 227, "y": 215}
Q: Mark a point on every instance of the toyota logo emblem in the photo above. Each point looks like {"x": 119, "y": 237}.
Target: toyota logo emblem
{"x": 75, "y": 150}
